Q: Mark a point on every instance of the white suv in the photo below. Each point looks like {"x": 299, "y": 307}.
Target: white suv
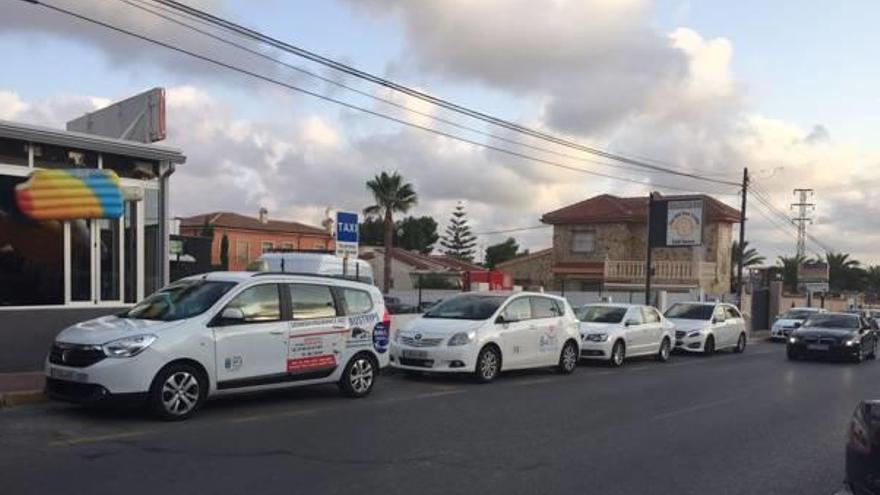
{"x": 222, "y": 333}
{"x": 487, "y": 332}
{"x": 707, "y": 327}
{"x": 614, "y": 332}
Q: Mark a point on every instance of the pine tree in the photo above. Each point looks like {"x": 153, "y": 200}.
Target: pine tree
{"x": 459, "y": 241}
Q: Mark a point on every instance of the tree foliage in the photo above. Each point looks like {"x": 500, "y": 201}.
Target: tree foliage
{"x": 392, "y": 195}
{"x": 501, "y": 252}
{"x": 412, "y": 233}
{"x": 459, "y": 241}
{"x": 750, "y": 257}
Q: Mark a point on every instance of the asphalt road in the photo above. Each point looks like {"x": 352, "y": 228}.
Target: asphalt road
{"x": 729, "y": 424}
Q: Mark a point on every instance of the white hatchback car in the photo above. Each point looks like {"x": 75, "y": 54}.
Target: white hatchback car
{"x": 487, "y": 332}
{"x": 791, "y": 320}
{"x": 222, "y": 333}
{"x": 614, "y": 332}
{"x": 707, "y": 327}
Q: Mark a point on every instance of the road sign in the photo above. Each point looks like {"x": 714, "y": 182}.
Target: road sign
{"x": 346, "y": 234}
{"x": 814, "y": 287}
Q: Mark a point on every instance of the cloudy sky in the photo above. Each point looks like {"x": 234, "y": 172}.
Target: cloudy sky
{"x": 787, "y": 88}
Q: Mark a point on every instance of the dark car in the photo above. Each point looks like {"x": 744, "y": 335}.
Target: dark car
{"x": 863, "y": 450}
{"x": 395, "y": 306}
{"x": 841, "y": 335}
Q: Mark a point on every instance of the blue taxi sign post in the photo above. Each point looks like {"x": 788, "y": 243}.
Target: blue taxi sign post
{"x": 347, "y": 237}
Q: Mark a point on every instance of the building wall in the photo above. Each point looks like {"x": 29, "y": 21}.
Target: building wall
{"x": 400, "y": 272}
{"x": 246, "y": 245}
{"x": 530, "y": 270}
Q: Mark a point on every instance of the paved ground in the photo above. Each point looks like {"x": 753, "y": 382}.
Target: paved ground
{"x": 731, "y": 424}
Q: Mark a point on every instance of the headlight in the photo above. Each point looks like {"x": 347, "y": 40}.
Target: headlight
{"x": 853, "y": 341}
{"x": 596, "y": 337}
{"x": 128, "y": 346}
{"x": 461, "y": 338}
{"x": 792, "y": 340}
{"x": 694, "y": 334}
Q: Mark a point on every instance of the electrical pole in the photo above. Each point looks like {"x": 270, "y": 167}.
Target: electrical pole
{"x": 802, "y": 219}
{"x": 742, "y": 238}
{"x": 650, "y": 239}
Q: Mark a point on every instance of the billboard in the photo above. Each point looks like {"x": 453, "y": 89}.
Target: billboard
{"x": 676, "y": 223}
{"x": 813, "y": 272}
{"x": 139, "y": 118}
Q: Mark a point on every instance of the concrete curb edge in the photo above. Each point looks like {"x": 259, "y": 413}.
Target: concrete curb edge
{"x": 20, "y": 398}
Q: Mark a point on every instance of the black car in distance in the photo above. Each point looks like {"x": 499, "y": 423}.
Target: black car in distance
{"x": 842, "y": 335}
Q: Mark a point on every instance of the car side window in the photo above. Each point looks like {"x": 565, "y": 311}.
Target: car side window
{"x": 719, "y": 315}
{"x": 258, "y": 304}
{"x": 634, "y": 316}
{"x": 732, "y": 312}
{"x": 518, "y": 309}
{"x": 357, "y": 301}
{"x": 311, "y": 301}
{"x": 544, "y": 307}
{"x": 650, "y": 315}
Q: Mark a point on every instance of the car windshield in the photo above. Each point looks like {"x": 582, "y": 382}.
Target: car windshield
{"x": 468, "y": 307}
{"x": 797, "y": 314}
{"x": 832, "y": 321}
{"x": 601, "y": 314}
{"x": 690, "y": 311}
{"x": 179, "y": 300}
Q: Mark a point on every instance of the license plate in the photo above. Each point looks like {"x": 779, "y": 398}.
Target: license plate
{"x": 415, "y": 354}
{"x": 818, "y": 347}
{"x": 69, "y": 375}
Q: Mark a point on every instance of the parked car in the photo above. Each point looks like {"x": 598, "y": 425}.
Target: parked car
{"x": 395, "y": 306}
{"x": 791, "y": 319}
{"x": 863, "y": 450}
{"x": 485, "y": 333}
{"x": 707, "y": 327}
{"x": 313, "y": 263}
{"x": 426, "y": 305}
{"x": 614, "y": 332}
{"x": 842, "y": 335}
{"x": 222, "y": 333}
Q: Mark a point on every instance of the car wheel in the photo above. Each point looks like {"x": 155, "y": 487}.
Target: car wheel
{"x": 358, "y": 377}
{"x": 618, "y": 354}
{"x": 568, "y": 358}
{"x": 740, "y": 344}
{"x": 859, "y": 356}
{"x": 488, "y": 365}
{"x": 177, "y": 392}
{"x": 665, "y": 351}
{"x": 791, "y": 354}
{"x": 709, "y": 346}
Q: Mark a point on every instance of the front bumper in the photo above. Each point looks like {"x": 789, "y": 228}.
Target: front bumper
{"x": 596, "y": 350}
{"x": 684, "y": 343}
{"x": 839, "y": 351}
{"x": 88, "y": 393}
{"x": 442, "y": 358}
{"x": 115, "y": 376}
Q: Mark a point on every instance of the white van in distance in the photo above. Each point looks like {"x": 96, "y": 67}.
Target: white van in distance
{"x": 313, "y": 263}
{"x": 222, "y": 333}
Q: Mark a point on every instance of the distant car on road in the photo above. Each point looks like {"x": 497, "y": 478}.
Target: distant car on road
{"x": 791, "y": 319}
{"x": 863, "y": 450}
{"x": 485, "y": 333}
{"x": 707, "y": 327}
{"x": 395, "y": 306}
{"x": 614, "y": 332}
{"x": 842, "y": 335}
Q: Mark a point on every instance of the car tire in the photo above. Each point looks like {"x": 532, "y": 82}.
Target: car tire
{"x": 618, "y": 354}
{"x": 568, "y": 358}
{"x": 488, "y": 364}
{"x": 740, "y": 344}
{"x": 358, "y": 377}
{"x": 791, "y": 355}
{"x": 709, "y": 346}
{"x": 665, "y": 351}
{"x": 177, "y": 392}
{"x": 859, "y": 357}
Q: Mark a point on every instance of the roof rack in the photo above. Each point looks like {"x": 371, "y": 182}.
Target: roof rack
{"x": 350, "y": 278}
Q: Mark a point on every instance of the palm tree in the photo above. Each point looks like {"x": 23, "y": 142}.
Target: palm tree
{"x": 789, "y": 265}
{"x": 750, "y": 258}
{"x": 392, "y": 195}
{"x": 843, "y": 271}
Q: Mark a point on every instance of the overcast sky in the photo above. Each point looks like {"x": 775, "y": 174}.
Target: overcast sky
{"x": 787, "y": 88}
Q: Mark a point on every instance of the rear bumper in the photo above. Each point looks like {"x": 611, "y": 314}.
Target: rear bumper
{"x": 88, "y": 393}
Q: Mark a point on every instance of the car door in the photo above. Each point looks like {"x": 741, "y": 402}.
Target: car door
{"x": 720, "y": 327}
{"x": 251, "y": 350}
{"x": 316, "y": 332}
{"x": 633, "y": 330}
{"x": 546, "y": 337}
{"x": 653, "y": 329}
{"x": 737, "y": 324}
{"x": 514, "y": 331}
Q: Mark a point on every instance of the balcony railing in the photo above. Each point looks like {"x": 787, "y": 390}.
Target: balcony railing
{"x": 673, "y": 271}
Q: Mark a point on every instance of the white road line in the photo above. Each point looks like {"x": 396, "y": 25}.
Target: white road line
{"x": 694, "y": 408}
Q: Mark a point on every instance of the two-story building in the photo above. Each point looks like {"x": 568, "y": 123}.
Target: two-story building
{"x": 601, "y": 244}
{"x": 249, "y": 237}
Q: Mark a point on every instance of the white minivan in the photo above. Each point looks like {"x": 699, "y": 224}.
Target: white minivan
{"x": 222, "y": 333}
{"x": 614, "y": 332}
{"x": 707, "y": 327}
{"x": 485, "y": 333}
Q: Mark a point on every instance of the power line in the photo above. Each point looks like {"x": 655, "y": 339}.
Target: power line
{"x": 764, "y": 195}
{"x": 784, "y": 223}
{"x": 347, "y": 104}
{"x": 287, "y": 47}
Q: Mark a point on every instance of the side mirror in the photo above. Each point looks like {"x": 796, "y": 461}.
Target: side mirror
{"x": 798, "y": 324}
{"x": 501, "y": 320}
{"x": 231, "y": 316}
{"x": 629, "y": 323}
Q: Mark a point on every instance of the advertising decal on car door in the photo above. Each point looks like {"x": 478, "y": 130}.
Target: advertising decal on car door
{"x": 315, "y": 344}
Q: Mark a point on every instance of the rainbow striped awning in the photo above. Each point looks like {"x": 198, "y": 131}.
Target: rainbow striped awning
{"x": 70, "y": 194}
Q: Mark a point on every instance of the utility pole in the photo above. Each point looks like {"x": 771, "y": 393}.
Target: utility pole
{"x": 802, "y": 219}
{"x": 742, "y": 238}
{"x": 650, "y": 239}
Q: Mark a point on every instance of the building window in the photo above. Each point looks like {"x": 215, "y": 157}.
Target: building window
{"x": 242, "y": 251}
{"x": 13, "y": 152}
{"x": 583, "y": 242}
{"x": 152, "y": 242}
{"x": 130, "y": 168}
{"x": 266, "y": 246}
{"x": 287, "y": 246}
{"x": 31, "y": 254}
{"x": 48, "y": 156}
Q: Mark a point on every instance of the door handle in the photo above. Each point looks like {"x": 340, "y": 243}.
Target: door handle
{"x": 276, "y": 332}
{"x": 340, "y": 326}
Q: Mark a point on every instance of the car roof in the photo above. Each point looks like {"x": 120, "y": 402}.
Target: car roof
{"x": 239, "y": 277}
{"x": 805, "y": 308}
{"x": 614, "y": 305}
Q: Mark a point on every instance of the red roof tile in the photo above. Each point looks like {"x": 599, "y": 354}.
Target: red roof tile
{"x": 231, "y": 220}
{"x": 607, "y": 208}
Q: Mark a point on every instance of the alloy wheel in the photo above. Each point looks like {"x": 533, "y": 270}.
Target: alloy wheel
{"x": 180, "y": 393}
{"x": 488, "y": 365}
{"x": 617, "y": 354}
{"x": 569, "y": 357}
{"x": 361, "y": 375}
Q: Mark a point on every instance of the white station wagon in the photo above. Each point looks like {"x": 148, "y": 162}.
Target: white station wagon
{"x": 222, "y": 333}
{"x": 486, "y": 332}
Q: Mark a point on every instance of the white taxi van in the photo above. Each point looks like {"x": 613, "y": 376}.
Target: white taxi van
{"x": 486, "y": 332}
{"x": 222, "y": 333}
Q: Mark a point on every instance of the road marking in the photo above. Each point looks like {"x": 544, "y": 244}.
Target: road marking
{"x": 284, "y": 414}
{"x": 99, "y": 438}
{"x": 694, "y": 408}
{"x": 535, "y": 381}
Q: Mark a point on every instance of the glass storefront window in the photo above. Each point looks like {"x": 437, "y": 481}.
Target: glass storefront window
{"x": 131, "y": 168}
{"x": 80, "y": 260}
{"x": 48, "y": 156}
{"x": 13, "y": 152}
{"x": 31, "y": 254}
{"x": 130, "y": 251}
{"x": 108, "y": 243}
{"x": 152, "y": 242}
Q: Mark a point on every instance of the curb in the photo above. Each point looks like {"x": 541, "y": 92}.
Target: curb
{"x": 9, "y": 399}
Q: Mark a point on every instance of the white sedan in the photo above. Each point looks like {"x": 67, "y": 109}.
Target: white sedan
{"x": 706, "y": 327}
{"x": 614, "y": 332}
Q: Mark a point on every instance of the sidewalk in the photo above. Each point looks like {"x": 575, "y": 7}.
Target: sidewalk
{"x": 21, "y": 388}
